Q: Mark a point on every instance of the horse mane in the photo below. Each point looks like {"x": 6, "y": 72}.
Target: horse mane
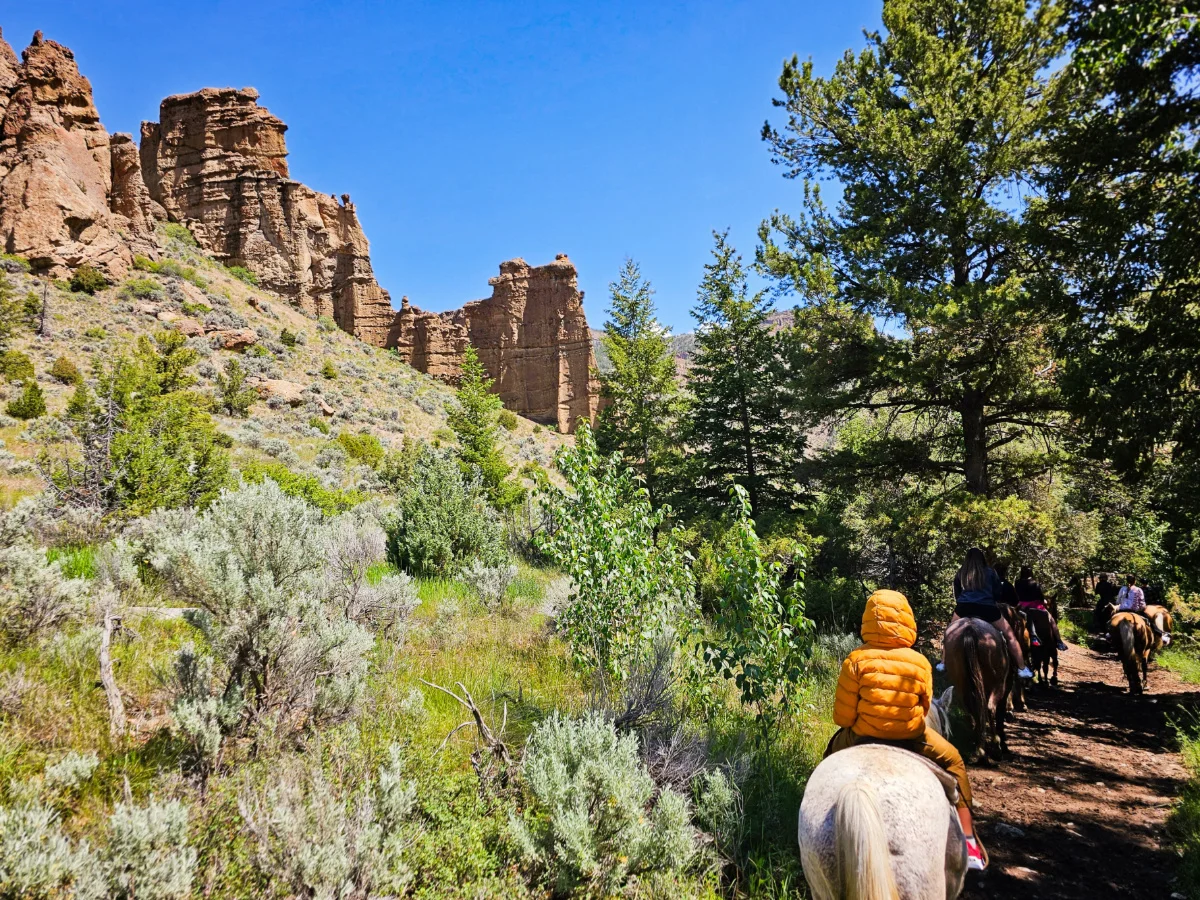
{"x": 864, "y": 861}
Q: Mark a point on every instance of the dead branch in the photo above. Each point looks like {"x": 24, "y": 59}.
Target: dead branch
{"x": 493, "y": 743}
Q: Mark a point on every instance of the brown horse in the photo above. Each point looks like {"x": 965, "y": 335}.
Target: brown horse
{"x": 1133, "y": 639}
{"x": 1162, "y": 626}
{"x": 977, "y": 664}
{"x": 1045, "y": 654}
{"x": 1020, "y": 626}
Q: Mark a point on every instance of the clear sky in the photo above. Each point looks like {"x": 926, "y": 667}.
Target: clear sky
{"x": 470, "y": 133}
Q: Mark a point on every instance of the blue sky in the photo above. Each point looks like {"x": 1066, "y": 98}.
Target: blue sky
{"x": 470, "y": 133}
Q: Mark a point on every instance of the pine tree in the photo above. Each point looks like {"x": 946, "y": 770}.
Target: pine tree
{"x": 740, "y": 427}
{"x": 916, "y": 309}
{"x": 474, "y": 421}
{"x": 641, "y": 390}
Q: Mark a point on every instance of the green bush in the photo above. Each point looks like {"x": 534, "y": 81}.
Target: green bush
{"x": 176, "y": 232}
{"x": 179, "y": 270}
{"x": 66, "y": 371}
{"x": 329, "y": 370}
{"x": 232, "y": 394}
{"x": 30, "y": 405}
{"x": 86, "y": 280}
{"x": 241, "y": 273}
{"x": 507, "y": 419}
{"x": 320, "y": 424}
{"x": 96, "y": 333}
{"x": 15, "y": 366}
{"x": 308, "y": 487}
{"x": 145, "y": 264}
{"x": 326, "y": 323}
{"x": 17, "y": 260}
{"x": 441, "y": 521}
{"x": 590, "y": 823}
{"x": 31, "y": 307}
{"x": 287, "y": 338}
{"x": 142, "y": 288}
{"x": 195, "y": 309}
{"x": 365, "y": 448}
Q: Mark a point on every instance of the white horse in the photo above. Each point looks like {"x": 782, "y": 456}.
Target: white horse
{"x": 876, "y": 824}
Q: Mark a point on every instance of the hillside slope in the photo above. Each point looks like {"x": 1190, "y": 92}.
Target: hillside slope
{"x": 371, "y": 390}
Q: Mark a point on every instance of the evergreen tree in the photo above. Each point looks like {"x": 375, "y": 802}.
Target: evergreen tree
{"x": 740, "y": 429}
{"x": 11, "y": 313}
{"x": 641, "y": 390}
{"x": 915, "y": 307}
{"x": 1119, "y": 227}
{"x": 474, "y": 421}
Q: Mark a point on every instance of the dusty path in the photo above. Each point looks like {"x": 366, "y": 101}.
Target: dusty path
{"x": 1089, "y": 784}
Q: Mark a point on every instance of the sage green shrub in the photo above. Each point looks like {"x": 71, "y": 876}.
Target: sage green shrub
{"x": 590, "y": 822}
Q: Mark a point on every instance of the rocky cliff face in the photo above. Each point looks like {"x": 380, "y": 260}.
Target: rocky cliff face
{"x": 57, "y": 170}
{"x": 217, "y": 162}
{"x": 531, "y": 335}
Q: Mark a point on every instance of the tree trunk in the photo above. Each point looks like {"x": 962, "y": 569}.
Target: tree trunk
{"x": 975, "y": 458}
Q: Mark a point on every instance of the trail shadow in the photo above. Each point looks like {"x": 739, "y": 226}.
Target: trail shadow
{"x": 1088, "y": 780}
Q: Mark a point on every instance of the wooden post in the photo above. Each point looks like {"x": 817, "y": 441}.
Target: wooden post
{"x": 116, "y": 706}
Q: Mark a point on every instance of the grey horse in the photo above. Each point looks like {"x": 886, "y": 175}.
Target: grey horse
{"x": 876, "y": 823}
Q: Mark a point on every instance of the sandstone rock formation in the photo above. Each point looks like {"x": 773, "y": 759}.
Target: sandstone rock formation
{"x": 57, "y": 170}
{"x": 217, "y": 162}
{"x": 531, "y": 336}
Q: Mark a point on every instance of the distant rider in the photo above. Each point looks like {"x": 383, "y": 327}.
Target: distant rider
{"x": 883, "y": 693}
{"x": 1032, "y": 599}
{"x": 1133, "y": 599}
{"x": 976, "y": 589}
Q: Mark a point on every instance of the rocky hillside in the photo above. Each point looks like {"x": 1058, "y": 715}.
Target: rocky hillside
{"x": 314, "y": 380}
{"x": 71, "y": 194}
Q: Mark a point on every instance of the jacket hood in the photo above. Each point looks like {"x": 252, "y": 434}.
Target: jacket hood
{"x": 888, "y": 621}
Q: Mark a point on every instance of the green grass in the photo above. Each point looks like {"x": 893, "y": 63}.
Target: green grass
{"x": 76, "y": 562}
{"x": 1183, "y": 826}
{"x": 1182, "y": 662}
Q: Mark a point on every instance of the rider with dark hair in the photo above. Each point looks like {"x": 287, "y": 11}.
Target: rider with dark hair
{"x": 1032, "y": 599}
{"x": 976, "y": 591}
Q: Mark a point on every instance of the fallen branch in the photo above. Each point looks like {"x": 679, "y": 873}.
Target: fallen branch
{"x": 493, "y": 743}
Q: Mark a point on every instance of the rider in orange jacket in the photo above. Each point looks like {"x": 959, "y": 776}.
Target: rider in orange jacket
{"x": 885, "y": 689}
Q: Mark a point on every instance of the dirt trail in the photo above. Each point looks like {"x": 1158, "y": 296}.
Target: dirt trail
{"x": 1089, "y": 783}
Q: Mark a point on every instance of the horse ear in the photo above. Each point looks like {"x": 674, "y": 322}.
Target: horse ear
{"x": 947, "y": 697}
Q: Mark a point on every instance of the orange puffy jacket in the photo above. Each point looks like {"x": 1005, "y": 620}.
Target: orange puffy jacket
{"x": 885, "y": 687}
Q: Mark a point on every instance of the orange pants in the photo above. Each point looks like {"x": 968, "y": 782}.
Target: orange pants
{"x": 930, "y": 745}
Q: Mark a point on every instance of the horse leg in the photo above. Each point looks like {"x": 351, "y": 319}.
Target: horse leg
{"x": 1054, "y": 662}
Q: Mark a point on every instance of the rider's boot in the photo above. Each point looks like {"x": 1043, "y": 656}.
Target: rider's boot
{"x": 1024, "y": 673}
{"x": 975, "y": 860}
{"x": 1062, "y": 648}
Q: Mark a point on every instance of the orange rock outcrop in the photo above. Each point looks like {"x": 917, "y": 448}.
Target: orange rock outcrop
{"x": 59, "y": 167}
{"x": 217, "y": 162}
{"x": 531, "y": 336}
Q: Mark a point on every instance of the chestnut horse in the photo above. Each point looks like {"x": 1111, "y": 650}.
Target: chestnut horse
{"x": 977, "y": 664}
{"x": 1019, "y": 623}
{"x": 1133, "y": 639}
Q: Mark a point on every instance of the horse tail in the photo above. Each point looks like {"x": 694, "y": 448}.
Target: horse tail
{"x": 864, "y": 861}
{"x": 975, "y": 701}
{"x": 1127, "y": 649}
